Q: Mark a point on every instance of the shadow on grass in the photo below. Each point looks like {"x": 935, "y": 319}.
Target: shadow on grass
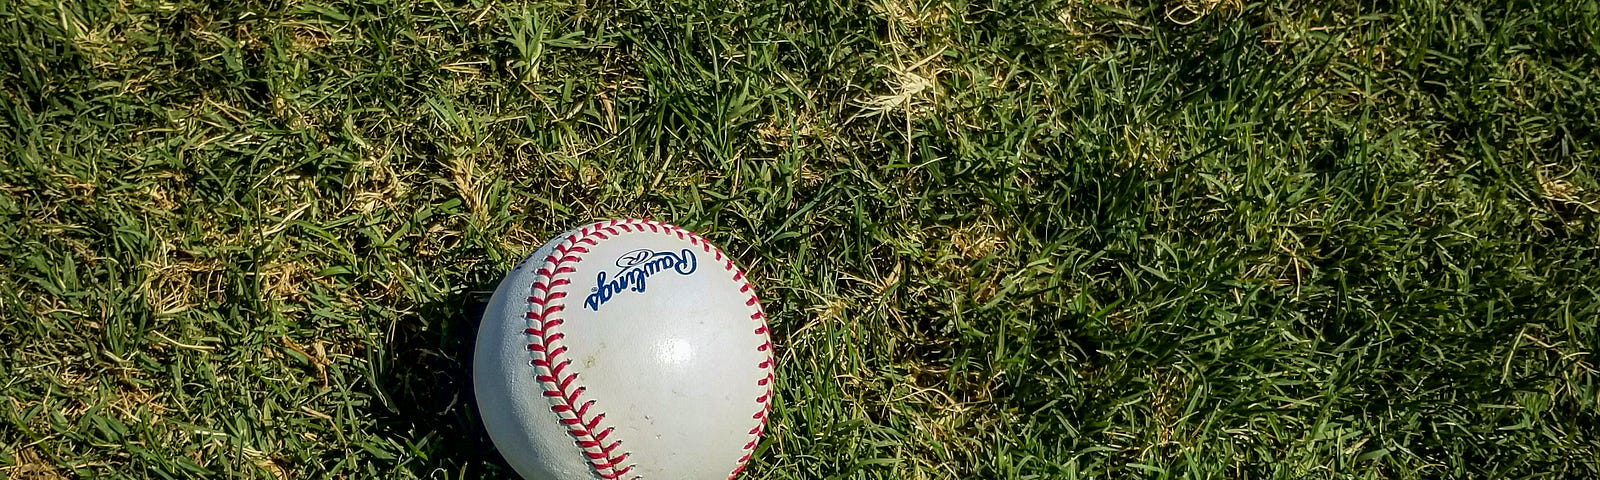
{"x": 428, "y": 381}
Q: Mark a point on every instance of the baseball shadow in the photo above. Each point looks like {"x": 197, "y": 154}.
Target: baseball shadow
{"x": 425, "y": 385}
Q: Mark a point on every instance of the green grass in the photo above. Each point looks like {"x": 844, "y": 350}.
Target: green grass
{"x": 1005, "y": 239}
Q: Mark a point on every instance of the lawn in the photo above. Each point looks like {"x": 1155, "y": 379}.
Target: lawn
{"x": 1000, "y": 239}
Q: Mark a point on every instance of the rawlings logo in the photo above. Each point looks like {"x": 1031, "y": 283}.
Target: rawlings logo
{"x": 637, "y": 266}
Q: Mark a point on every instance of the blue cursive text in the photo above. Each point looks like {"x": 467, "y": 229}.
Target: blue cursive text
{"x": 637, "y": 266}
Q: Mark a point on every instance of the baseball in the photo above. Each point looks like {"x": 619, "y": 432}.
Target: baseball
{"x": 624, "y": 349}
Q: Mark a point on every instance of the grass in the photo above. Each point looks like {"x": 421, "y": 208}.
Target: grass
{"x": 1001, "y": 239}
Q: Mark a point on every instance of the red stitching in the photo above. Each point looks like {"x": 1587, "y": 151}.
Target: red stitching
{"x": 557, "y": 381}
{"x": 765, "y": 383}
{"x": 607, "y": 458}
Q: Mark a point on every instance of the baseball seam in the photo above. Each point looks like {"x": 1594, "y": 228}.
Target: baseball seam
{"x": 559, "y": 382}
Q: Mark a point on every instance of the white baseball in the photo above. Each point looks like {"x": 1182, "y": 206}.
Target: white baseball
{"x": 624, "y": 349}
